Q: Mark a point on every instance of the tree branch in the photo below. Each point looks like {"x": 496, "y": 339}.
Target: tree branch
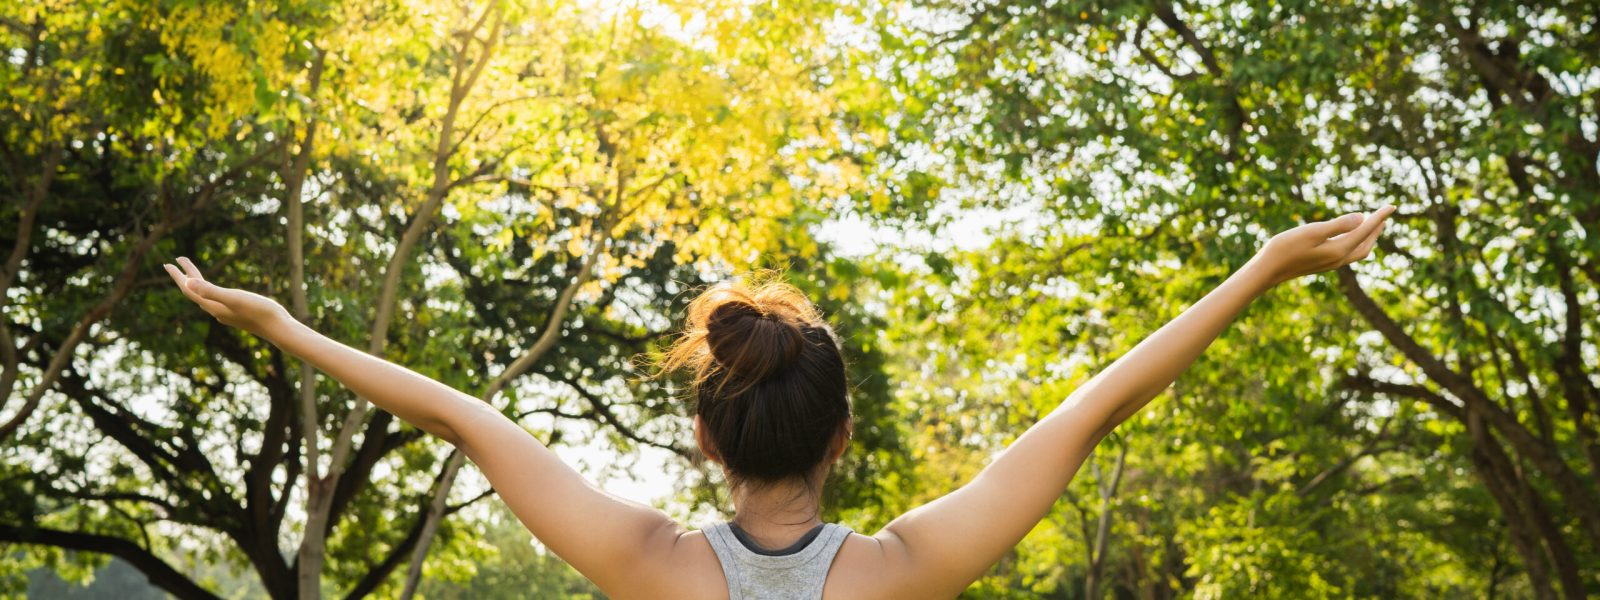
{"x": 599, "y": 240}
{"x": 121, "y": 285}
{"x": 160, "y": 573}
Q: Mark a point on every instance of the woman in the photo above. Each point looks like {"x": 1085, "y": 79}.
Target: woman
{"x": 772, "y": 410}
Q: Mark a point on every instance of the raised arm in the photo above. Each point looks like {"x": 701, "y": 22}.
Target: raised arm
{"x": 599, "y": 534}
{"x": 942, "y": 547}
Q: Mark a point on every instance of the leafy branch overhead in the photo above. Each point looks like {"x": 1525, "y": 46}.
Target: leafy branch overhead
{"x": 510, "y": 196}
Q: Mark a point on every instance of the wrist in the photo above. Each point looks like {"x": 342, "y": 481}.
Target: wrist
{"x": 1259, "y": 274}
{"x": 278, "y": 328}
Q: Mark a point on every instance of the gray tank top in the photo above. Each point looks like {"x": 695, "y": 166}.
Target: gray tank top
{"x": 794, "y": 573}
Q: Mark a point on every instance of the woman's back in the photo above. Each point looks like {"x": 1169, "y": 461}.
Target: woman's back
{"x": 793, "y": 573}
{"x": 831, "y": 563}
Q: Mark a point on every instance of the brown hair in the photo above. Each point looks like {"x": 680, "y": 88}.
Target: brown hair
{"x": 768, "y": 379}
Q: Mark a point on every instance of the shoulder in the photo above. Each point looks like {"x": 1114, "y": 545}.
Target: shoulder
{"x": 870, "y": 567}
{"x": 682, "y": 565}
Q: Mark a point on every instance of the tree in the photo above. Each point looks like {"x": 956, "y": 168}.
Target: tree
{"x": 1183, "y": 134}
{"x": 538, "y": 184}
{"x": 516, "y": 567}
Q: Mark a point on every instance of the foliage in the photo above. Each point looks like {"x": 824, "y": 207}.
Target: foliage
{"x": 513, "y": 565}
{"x": 457, "y": 164}
{"x": 1424, "y": 425}
{"x": 1151, "y": 147}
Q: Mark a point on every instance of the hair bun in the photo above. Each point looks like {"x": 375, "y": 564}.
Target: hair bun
{"x": 749, "y": 343}
{"x": 740, "y": 335}
{"x": 769, "y": 384}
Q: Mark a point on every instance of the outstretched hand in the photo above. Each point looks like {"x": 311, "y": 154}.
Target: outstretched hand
{"x": 248, "y": 311}
{"x": 1322, "y": 246}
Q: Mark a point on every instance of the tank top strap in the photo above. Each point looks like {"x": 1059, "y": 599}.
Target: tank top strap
{"x": 795, "y": 576}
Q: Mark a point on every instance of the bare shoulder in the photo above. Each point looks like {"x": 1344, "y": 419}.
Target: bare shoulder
{"x": 683, "y": 566}
{"x": 871, "y": 568}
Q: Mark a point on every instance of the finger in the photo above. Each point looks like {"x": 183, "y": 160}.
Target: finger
{"x": 189, "y": 268}
{"x": 1334, "y": 227}
{"x": 1372, "y": 238}
{"x": 183, "y": 283}
{"x": 1365, "y": 249}
{"x": 177, "y": 276}
{"x": 217, "y": 309}
{"x": 205, "y": 289}
{"x": 195, "y": 290}
{"x": 1369, "y": 228}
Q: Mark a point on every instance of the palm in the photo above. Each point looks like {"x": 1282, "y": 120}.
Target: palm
{"x": 1325, "y": 245}
{"x": 234, "y": 307}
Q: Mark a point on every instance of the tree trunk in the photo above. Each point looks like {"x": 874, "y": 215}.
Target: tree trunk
{"x": 1535, "y": 516}
{"x": 309, "y": 559}
{"x": 1102, "y": 536}
{"x": 1516, "y": 528}
{"x": 1577, "y": 491}
{"x": 547, "y": 340}
{"x": 320, "y": 490}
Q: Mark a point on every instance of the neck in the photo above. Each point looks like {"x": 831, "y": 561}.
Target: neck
{"x": 776, "y": 515}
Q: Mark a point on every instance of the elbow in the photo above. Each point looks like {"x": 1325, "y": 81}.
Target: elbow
{"x": 450, "y": 436}
{"x": 453, "y": 430}
{"x": 1103, "y": 431}
{"x": 1094, "y": 414}
{"x": 442, "y": 428}
{"x": 1100, "y": 426}
{"x": 475, "y": 420}
{"x": 445, "y": 427}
